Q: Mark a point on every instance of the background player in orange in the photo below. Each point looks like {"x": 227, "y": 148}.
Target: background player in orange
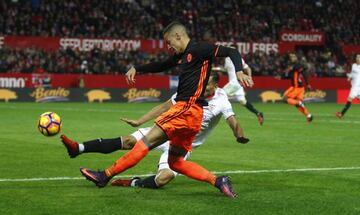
{"x": 182, "y": 121}
{"x": 294, "y": 95}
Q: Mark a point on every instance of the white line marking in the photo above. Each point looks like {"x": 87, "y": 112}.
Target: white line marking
{"x": 302, "y": 119}
{"x": 216, "y": 172}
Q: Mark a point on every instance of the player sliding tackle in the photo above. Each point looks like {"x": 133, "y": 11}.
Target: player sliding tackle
{"x": 219, "y": 105}
{"x": 182, "y": 121}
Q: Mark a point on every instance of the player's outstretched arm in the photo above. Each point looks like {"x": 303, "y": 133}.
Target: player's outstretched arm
{"x": 152, "y": 67}
{"x": 152, "y": 114}
{"x": 237, "y": 130}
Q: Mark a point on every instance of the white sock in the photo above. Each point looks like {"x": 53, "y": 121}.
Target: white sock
{"x": 81, "y": 148}
{"x": 133, "y": 183}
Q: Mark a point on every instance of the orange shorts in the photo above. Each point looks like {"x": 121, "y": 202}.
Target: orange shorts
{"x": 295, "y": 93}
{"x": 181, "y": 123}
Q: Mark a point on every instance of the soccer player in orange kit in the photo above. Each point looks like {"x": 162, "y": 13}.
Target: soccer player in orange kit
{"x": 182, "y": 121}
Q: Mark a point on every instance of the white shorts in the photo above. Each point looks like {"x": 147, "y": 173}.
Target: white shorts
{"x": 231, "y": 88}
{"x": 164, "y": 148}
{"x": 235, "y": 92}
{"x": 240, "y": 95}
{"x": 354, "y": 92}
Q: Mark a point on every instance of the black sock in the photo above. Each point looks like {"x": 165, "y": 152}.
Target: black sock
{"x": 251, "y": 108}
{"x": 148, "y": 182}
{"x": 347, "y": 106}
{"x": 103, "y": 145}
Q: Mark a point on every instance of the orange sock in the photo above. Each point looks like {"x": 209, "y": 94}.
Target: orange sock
{"x": 130, "y": 159}
{"x": 191, "y": 169}
{"x": 303, "y": 110}
{"x": 292, "y": 101}
{"x": 306, "y": 112}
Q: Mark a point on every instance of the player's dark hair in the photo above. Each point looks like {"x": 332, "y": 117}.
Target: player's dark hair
{"x": 172, "y": 25}
{"x": 215, "y": 77}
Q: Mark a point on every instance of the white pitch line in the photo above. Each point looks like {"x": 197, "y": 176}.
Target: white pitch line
{"x": 216, "y": 172}
{"x": 299, "y": 119}
{"x": 288, "y": 170}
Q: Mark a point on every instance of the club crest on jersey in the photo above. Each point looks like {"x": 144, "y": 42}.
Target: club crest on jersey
{"x": 189, "y": 57}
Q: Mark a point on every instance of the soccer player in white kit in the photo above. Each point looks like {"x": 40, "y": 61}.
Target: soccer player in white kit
{"x": 354, "y": 77}
{"x": 219, "y": 106}
{"x": 234, "y": 89}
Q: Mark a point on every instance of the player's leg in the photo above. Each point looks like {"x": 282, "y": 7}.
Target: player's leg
{"x": 179, "y": 164}
{"x": 351, "y": 96}
{"x": 162, "y": 177}
{"x": 294, "y": 96}
{"x": 195, "y": 171}
{"x": 345, "y": 108}
{"x": 290, "y": 97}
{"x": 155, "y": 137}
{"x": 164, "y": 174}
{"x": 252, "y": 109}
{"x": 300, "y": 93}
{"x": 99, "y": 145}
{"x": 240, "y": 96}
{"x": 171, "y": 122}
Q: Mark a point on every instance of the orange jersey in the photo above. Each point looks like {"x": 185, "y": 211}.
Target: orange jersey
{"x": 297, "y": 75}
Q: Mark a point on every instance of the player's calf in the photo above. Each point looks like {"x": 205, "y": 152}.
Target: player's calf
{"x": 260, "y": 117}
{"x": 133, "y": 182}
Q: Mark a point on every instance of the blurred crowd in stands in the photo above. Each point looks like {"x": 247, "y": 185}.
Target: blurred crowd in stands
{"x": 211, "y": 20}
{"x": 320, "y": 64}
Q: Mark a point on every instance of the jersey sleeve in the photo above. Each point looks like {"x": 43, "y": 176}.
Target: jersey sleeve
{"x": 155, "y": 67}
{"x": 227, "y": 110}
{"x": 229, "y": 66}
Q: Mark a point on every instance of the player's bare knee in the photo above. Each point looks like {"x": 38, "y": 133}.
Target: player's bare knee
{"x": 243, "y": 102}
{"x": 128, "y": 142}
{"x": 164, "y": 176}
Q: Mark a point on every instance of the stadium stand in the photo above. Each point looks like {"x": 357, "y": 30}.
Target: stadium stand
{"x": 221, "y": 20}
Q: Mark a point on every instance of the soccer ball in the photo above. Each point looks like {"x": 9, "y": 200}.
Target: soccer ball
{"x": 49, "y": 124}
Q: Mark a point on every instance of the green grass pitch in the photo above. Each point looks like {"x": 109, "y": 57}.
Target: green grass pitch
{"x": 288, "y": 167}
